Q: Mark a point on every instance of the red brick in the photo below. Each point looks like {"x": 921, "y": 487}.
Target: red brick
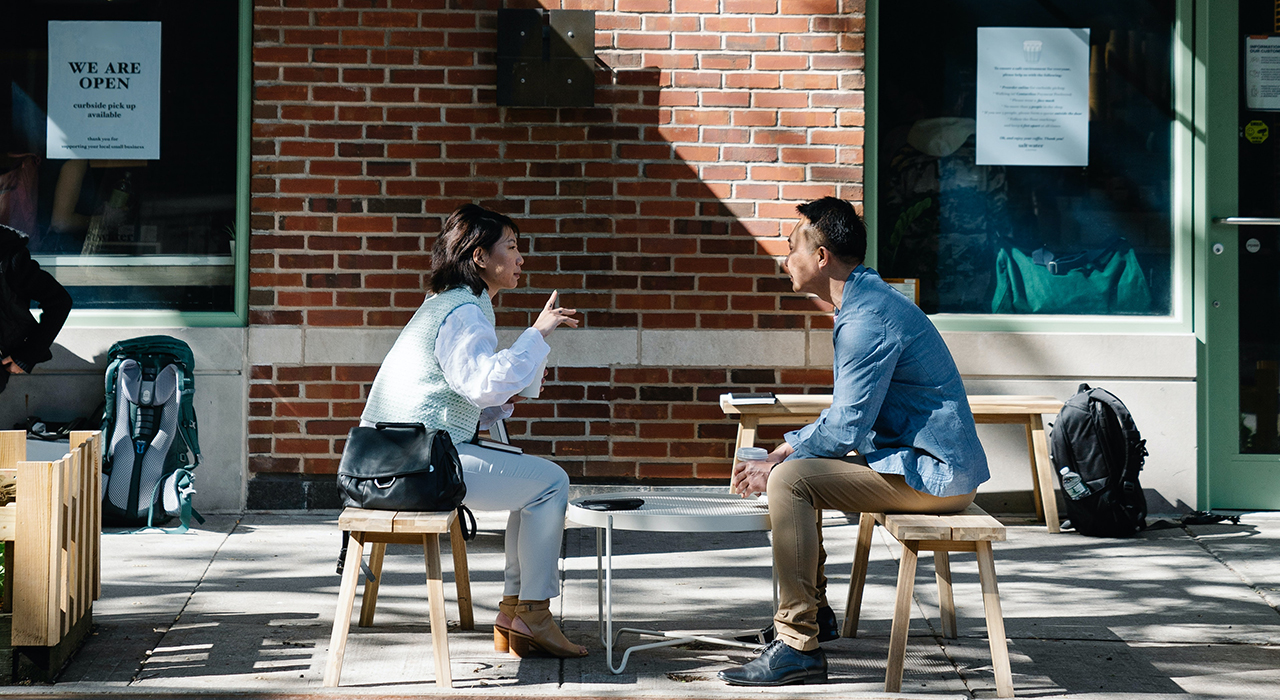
{"x": 809, "y": 7}
{"x": 628, "y": 40}
{"x": 335, "y": 317}
{"x": 644, "y": 6}
{"x": 388, "y": 19}
{"x": 695, "y": 42}
{"x": 639, "y": 449}
{"x": 305, "y": 373}
{"x": 333, "y": 391}
{"x": 300, "y": 446}
{"x": 285, "y": 54}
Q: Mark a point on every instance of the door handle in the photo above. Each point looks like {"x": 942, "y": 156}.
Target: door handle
{"x": 1247, "y": 220}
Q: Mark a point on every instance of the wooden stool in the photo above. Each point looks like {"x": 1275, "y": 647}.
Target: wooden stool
{"x": 971, "y": 530}
{"x": 383, "y": 527}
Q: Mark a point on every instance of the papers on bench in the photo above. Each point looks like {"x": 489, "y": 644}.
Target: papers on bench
{"x": 760, "y": 399}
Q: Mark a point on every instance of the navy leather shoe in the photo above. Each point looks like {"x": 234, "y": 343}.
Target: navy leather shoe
{"x": 779, "y": 664}
{"x": 828, "y": 629}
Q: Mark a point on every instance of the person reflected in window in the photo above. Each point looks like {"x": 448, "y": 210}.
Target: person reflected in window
{"x": 24, "y": 343}
{"x": 899, "y": 436}
{"x": 446, "y": 372}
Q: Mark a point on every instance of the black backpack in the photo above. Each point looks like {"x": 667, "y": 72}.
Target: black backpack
{"x": 1095, "y": 440}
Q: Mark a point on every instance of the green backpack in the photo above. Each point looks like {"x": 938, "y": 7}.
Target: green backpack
{"x": 149, "y": 428}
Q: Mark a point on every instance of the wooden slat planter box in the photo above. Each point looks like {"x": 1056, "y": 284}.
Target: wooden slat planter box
{"x": 52, "y": 535}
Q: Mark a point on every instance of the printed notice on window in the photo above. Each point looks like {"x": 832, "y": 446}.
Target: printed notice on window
{"x": 104, "y": 90}
{"x": 1033, "y": 96}
{"x": 1262, "y": 72}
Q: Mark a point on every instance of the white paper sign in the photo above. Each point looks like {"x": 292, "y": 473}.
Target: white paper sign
{"x": 104, "y": 90}
{"x": 1262, "y": 72}
{"x": 1033, "y": 96}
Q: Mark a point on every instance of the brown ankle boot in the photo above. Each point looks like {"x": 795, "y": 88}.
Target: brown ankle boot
{"x": 534, "y": 632}
{"x": 502, "y": 625}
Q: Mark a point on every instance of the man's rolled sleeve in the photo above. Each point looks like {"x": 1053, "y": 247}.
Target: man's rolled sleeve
{"x": 865, "y": 356}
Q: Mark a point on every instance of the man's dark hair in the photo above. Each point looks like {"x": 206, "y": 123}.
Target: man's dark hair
{"x": 468, "y": 228}
{"x": 839, "y": 226}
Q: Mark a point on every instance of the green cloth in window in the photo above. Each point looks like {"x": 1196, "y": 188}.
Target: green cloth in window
{"x": 1113, "y": 284}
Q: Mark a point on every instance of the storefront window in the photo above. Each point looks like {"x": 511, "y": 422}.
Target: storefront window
{"x": 1023, "y": 154}
{"x": 118, "y": 146}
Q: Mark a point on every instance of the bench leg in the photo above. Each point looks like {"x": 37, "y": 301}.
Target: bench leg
{"x": 6, "y": 603}
{"x": 342, "y": 618}
{"x": 1037, "y": 496}
{"x": 1042, "y": 468}
{"x": 746, "y": 432}
{"x": 461, "y": 575}
{"x": 995, "y": 620}
{"x": 369, "y": 600}
{"x": 946, "y": 601}
{"x": 858, "y": 577}
{"x": 435, "y": 602}
{"x": 901, "y": 617}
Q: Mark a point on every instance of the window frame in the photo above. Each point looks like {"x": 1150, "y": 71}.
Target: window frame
{"x": 238, "y": 316}
{"x": 1181, "y": 318}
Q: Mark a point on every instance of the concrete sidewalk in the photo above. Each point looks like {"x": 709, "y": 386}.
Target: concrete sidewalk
{"x": 244, "y": 605}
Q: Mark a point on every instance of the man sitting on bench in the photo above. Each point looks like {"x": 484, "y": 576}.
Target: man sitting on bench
{"x": 899, "y": 436}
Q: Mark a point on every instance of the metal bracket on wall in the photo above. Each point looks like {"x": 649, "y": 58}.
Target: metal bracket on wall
{"x": 546, "y": 58}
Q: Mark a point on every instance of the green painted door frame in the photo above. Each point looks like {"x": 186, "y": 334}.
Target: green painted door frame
{"x": 1227, "y": 478}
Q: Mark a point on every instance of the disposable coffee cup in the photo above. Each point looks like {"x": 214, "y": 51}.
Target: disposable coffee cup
{"x": 532, "y": 391}
{"x": 751, "y": 454}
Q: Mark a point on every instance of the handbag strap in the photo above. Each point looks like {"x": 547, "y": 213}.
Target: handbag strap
{"x": 463, "y": 514}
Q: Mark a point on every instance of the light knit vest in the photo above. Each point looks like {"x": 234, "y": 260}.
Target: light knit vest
{"x": 410, "y": 386}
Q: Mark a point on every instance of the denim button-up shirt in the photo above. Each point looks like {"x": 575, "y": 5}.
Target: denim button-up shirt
{"x": 897, "y": 397}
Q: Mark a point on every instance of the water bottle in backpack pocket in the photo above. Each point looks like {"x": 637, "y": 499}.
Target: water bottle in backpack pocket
{"x": 1098, "y": 452}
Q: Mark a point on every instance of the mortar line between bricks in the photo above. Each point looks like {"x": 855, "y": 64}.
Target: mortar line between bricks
{"x": 1239, "y": 574}
{"x": 194, "y": 589}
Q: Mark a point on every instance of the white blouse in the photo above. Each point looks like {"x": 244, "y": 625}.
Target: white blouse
{"x": 467, "y": 349}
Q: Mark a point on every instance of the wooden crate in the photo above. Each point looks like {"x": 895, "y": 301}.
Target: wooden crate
{"x": 52, "y": 535}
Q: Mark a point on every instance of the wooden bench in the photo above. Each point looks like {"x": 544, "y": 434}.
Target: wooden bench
{"x": 52, "y": 538}
{"x": 380, "y": 528}
{"x": 1027, "y": 411}
{"x": 971, "y": 530}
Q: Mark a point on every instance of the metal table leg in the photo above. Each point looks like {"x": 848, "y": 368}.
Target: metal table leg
{"x": 604, "y": 611}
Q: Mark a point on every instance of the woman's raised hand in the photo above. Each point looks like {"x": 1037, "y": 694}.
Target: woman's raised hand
{"x": 552, "y": 316}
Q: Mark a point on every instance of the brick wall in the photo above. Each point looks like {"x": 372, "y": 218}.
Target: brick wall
{"x": 663, "y": 207}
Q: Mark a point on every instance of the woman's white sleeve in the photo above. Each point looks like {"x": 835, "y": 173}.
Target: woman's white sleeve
{"x": 467, "y": 349}
{"x": 493, "y": 414}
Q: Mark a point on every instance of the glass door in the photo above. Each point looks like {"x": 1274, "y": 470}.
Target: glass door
{"x": 1238, "y": 105}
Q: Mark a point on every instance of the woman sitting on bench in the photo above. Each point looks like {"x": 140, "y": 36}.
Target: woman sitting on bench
{"x": 446, "y": 372}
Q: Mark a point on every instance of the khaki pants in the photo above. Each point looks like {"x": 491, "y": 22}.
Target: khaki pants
{"x": 798, "y": 492}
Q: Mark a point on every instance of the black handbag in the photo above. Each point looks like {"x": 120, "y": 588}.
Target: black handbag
{"x": 403, "y": 466}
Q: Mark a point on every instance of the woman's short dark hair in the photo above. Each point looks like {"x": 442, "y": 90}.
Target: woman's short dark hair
{"x": 468, "y": 228}
{"x": 839, "y": 226}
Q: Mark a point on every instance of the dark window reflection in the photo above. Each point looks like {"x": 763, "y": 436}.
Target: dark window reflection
{"x": 980, "y": 237}
{"x": 1259, "y": 255}
{"x": 153, "y": 234}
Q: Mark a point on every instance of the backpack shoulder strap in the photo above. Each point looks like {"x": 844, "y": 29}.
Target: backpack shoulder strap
{"x": 1137, "y": 452}
{"x": 187, "y": 413}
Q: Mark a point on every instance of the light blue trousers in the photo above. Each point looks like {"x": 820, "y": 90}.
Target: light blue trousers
{"x": 536, "y": 492}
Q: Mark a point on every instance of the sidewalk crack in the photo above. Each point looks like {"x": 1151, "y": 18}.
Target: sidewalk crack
{"x": 194, "y": 589}
{"x": 1257, "y": 590}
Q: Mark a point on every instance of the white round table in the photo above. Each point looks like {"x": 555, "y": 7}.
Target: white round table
{"x": 663, "y": 512}
{"x": 676, "y": 512}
